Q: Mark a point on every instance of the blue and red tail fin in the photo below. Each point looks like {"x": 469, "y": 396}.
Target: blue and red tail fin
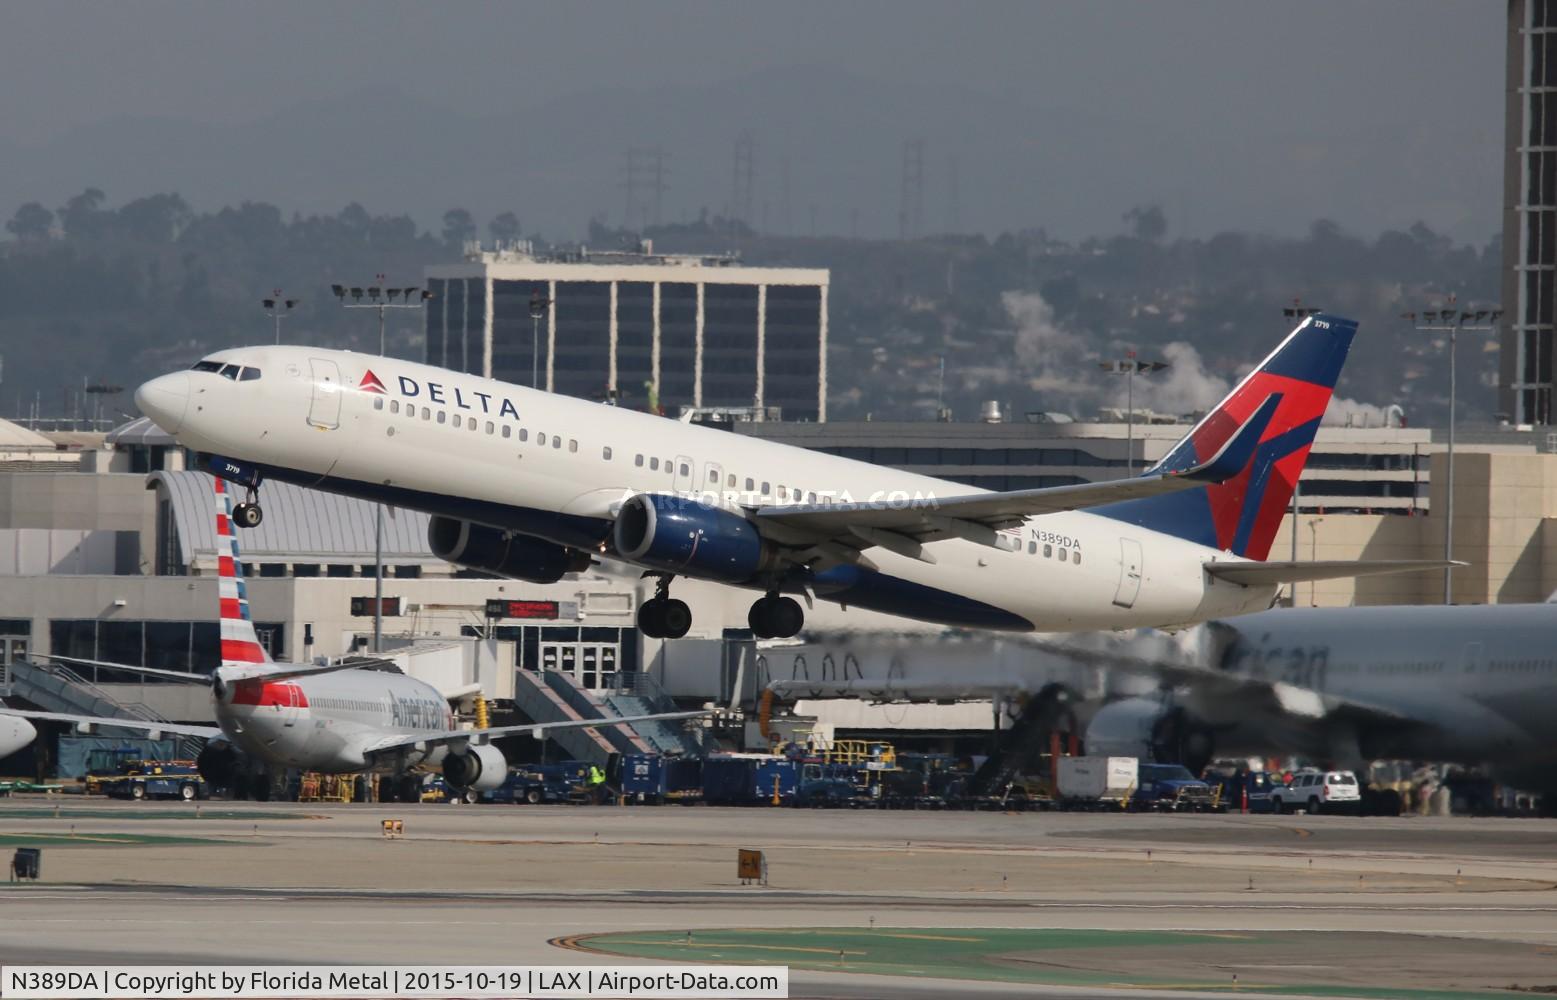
{"x": 240, "y": 644}
{"x": 1241, "y": 514}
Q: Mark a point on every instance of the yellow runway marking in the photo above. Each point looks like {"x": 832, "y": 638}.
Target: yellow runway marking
{"x": 932, "y": 937}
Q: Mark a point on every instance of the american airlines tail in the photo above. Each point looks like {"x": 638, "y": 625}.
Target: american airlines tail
{"x": 1241, "y": 514}
{"x": 240, "y": 644}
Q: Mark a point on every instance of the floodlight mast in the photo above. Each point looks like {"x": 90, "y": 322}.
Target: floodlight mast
{"x": 278, "y": 309}
{"x": 378, "y": 298}
{"x": 1128, "y": 366}
{"x": 1451, "y": 321}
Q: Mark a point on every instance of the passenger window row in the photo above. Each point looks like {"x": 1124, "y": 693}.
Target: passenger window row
{"x": 1050, "y": 552}
{"x": 654, "y": 463}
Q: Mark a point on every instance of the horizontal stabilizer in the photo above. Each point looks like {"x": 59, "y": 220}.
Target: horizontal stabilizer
{"x": 91, "y": 723}
{"x": 1266, "y": 574}
{"x": 177, "y": 675}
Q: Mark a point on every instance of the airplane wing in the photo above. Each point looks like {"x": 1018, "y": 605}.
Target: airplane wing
{"x": 100, "y": 722}
{"x": 1270, "y": 573}
{"x": 538, "y": 729}
{"x": 284, "y": 671}
{"x": 901, "y": 525}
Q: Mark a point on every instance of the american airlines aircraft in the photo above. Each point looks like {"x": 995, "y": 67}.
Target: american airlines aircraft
{"x": 1475, "y": 684}
{"x": 15, "y": 734}
{"x": 533, "y": 485}
{"x": 329, "y": 718}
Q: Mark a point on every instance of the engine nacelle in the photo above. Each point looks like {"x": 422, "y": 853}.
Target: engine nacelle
{"x": 482, "y": 768}
{"x": 477, "y": 546}
{"x": 220, "y": 764}
{"x": 1150, "y": 730}
{"x": 685, "y": 536}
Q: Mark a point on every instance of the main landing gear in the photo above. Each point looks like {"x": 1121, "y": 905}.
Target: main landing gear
{"x": 662, "y": 616}
{"x": 248, "y": 513}
{"x": 775, "y": 617}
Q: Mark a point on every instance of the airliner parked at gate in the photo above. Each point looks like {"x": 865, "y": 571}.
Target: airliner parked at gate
{"x": 532, "y": 485}
{"x": 329, "y": 718}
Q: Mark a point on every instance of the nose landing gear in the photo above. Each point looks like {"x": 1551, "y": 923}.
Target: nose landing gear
{"x": 775, "y": 617}
{"x": 663, "y": 617}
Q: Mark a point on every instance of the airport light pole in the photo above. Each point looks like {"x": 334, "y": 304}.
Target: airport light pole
{"x": 1129, "y": 367}
{"x": 1296, "y": 311}
{"x": 538, "y": 306}
{"x": 278, "y": 309}
{"x": 1452, "y": 321}
{"x": 382, "y": 299}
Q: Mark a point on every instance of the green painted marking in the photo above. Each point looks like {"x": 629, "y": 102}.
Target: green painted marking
{"x": 995, "y": 954}
{"x": 87, "y": 838}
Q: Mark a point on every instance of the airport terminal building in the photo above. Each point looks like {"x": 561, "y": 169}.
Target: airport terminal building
{"x": 700, "y": 330}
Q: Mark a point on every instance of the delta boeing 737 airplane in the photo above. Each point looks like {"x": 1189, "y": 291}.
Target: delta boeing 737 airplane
{"x": 532, "y": 485}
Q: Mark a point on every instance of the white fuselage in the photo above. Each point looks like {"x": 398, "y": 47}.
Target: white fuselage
{"x": 329, "y": 722}
{"x": 557, "y": 467}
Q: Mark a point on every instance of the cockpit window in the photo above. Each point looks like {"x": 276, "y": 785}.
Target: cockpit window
{"x": 229, "y": 372}
{"x": 249, "y": 375}
{"x": 206, "y": 366}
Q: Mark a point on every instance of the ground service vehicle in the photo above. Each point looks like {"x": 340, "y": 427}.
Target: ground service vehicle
{"x": 539, "y": 783}
{"x": 1249, "y": 790}
{"x": 1318, "y": 791}
{"x": 1172, "y": 787}
{"x": 1096, "y": 781}
{"x": 157, "y": 779}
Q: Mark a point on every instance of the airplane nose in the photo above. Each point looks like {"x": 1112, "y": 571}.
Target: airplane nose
{"x": 164, "y": 399}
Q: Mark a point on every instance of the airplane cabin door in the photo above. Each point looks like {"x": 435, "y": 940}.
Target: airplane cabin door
{"x": 685, "y": 481}
{"x": 1129, "y": 573}
{"x": 324, "y": 410}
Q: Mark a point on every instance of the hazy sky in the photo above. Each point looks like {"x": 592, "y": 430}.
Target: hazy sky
{"x": 1259, "y": 116}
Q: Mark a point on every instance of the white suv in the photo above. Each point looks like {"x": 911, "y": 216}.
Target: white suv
{"x": 1313, "y": 791}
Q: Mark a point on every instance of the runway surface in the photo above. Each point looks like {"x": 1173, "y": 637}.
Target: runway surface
{"x": 1336, "y": 905}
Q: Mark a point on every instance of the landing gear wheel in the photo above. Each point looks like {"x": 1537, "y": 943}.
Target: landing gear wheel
{"x": 676, "y": 618}
{"x": 651, "y": 618}
{"x": 775, "y": 617}
{"x": 662, "y": 616}
{"x": 247, "y": 515}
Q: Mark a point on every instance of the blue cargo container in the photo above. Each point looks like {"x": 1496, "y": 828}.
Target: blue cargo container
{"x": 651, "y": 778}
{"x": 643, "y": 777}
{"x": 748, "y": 779}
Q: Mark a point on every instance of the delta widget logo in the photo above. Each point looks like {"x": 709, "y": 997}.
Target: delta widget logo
{"x": 370, "y": 383}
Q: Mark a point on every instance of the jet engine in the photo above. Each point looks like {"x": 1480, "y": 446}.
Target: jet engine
{"x": 686, "y": 536}
{"x": 1151, "y": 730}
{"x": 522, "y": 557}
{"x": 481, "y": 768}
{"x": 221, "y": 764}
